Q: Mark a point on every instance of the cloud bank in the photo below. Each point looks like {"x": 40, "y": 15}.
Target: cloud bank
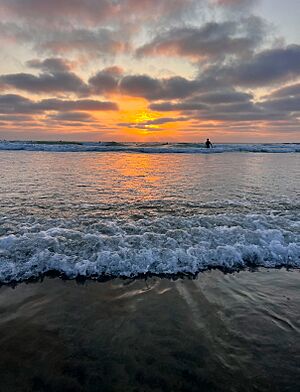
{"x": 100, "y": 57}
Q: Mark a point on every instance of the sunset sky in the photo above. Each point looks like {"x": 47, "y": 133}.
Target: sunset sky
{"x": 150, "y": 70}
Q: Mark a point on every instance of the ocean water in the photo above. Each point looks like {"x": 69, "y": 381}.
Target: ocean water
{"x": 126, "y": 210}
{"x": 152, "y": 148}
{"x": 121, "y": 212}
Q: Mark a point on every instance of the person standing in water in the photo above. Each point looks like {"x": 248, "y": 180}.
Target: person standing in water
{"x": 208, "y": 143}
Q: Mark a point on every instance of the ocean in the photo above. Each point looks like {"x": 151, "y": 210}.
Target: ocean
{"x": 138, "y": 267}
{"x": 117, "y": 211}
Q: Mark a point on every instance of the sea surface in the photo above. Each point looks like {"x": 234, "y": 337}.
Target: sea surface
{"x": 187, "y": 148}
{"x": 117, "y": 211}
{"x": 194, "y": 256}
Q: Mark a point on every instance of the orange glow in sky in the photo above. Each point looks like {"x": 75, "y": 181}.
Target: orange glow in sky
{"x": 141, "y": 70}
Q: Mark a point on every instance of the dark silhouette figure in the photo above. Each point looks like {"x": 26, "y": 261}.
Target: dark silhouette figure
{"x": 208, "y": 143}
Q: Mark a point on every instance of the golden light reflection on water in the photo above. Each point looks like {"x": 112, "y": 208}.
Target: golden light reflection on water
{"x": 122, "y": 177}
{"x": 138, "y": 176}
{"x": 140, "y": 173}
{"x": 132, "y": 184}
{"x": 123, "y": 181}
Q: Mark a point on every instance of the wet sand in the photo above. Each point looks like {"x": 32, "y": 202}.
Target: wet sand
{"x": 219, "y": 332}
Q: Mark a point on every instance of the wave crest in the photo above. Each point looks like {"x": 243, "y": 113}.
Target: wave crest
{"x": 175, "y": 148}
{"x": 168, "y": 245}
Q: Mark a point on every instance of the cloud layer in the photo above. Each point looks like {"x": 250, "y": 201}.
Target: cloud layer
{"x": 190, "y": 65}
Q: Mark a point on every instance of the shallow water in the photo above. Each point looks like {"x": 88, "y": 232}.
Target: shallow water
{"x": 118, "y": 214}
{"x": 126, "y": 214}
{"x": 227, "y": 333}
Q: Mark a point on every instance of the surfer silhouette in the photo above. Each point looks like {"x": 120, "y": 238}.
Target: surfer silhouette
{"x": 208, "y": 143}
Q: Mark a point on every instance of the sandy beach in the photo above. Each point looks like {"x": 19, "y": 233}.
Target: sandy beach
{"x": 218, "y": 332}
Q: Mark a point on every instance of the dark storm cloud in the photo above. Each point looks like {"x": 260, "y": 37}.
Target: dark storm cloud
{"x": 177, "y": 106}
{"x": 141, "y": 86}
{"x": 204, "y": 101}
{"x": 45, "y": 82}
{"x": 72, "y": 116}
{"x": 287, "y": 91}
{"x": 51, "y": 65}
{"x": 210, "y": 41}
{"x": 56, "y": 76}
{"x": 91, "y": 12}
{"x": 17, "y": 117}
{"x": 285, "y": 104}
{"x": 68, "y": 105}
{"x": 14, "y": 104}
{"x": 240, "y": 112}
{"x": 232, "y": 106}
{"x": 151, "y": 88}
{"x": 267, "y": 67}
{"x": 248, "y": 116}
{"x": 285, "y": 100}
{"x": 225, "y": 96}
{"x": 106, "y": 80}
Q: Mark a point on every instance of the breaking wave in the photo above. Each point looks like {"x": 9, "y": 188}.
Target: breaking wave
{"x": 189, "y": 148}
{"x": 166, "y": 245}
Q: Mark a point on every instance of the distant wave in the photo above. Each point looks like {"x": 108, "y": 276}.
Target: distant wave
{"x": 152, "y": 148}
{"x": 167, "y": 245}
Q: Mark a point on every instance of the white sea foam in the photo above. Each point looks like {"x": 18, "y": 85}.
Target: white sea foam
{"x": 189, "y": 148}
{"x": 166, "y": 245}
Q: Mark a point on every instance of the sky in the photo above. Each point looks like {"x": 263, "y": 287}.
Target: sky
{"x": 150, "y": 70}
